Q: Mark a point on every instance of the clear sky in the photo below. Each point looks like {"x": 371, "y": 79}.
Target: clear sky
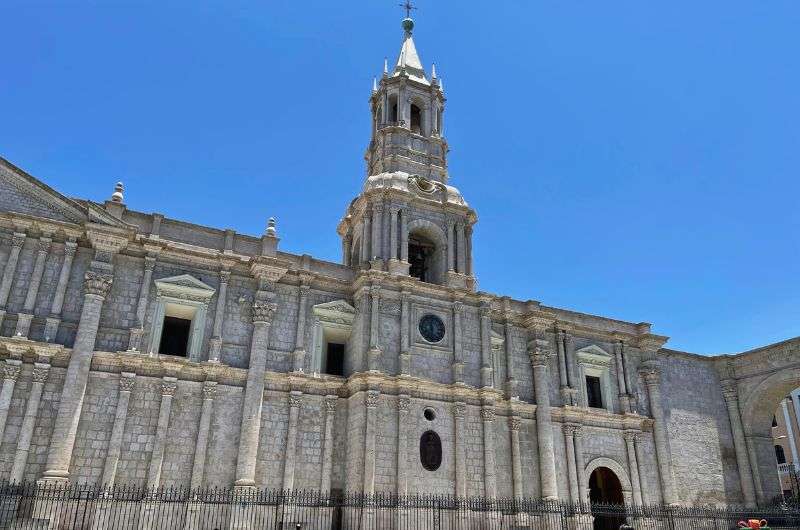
{"x": 637, "y": 160}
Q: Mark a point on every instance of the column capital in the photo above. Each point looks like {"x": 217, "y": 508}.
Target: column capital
{"x": 570, "y": 429}
{"x": 487, "y": 413}
{"x": 168, "y": 386}
{"x": 44, "y": 244}
{"x": 514, "y": 423}
{"x": 209, "y": 389}
{"x": 631, "y": 436}
{"x": 403, "y": 404}
{"x": 458, "y": 307}
{"x": 149, "y": 263}
{"x": 11, "y": 369}
{"x": 295, "y": 399}
{"x": 18, "y": 239}
{"x": 485, "y": 309}
{"x": 330, "y": 404}
{"x": 263, "y": 311}
{"x": 459, "y": 409}
{"x": 651, "y": 374}
{"x": 540, "y": 356}
{"x": 97, "y": 283}
{"x": 126, "y": 381}
{"x": 70, "y": 247}
{"x": 40, "y": 371}
{"x": 372, "y": 399}
{"x": 224, "y": 275}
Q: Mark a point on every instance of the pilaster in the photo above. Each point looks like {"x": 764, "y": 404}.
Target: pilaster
{"x": 514, "y": 424}
{"x": 459, "y": 413}
{"x": 633, "y": 466}
{"x": 25, "y": 317}
{"x": 127, "y": 381}
{"x": 11, "y": 369}
{"x": 731, "y": 395}
{"x": 54, "y": 319}
{"x": 300, "y": 333}
{"x": 374, "y": 353}
{"x": 201, "y": 446}
{"x": 17, "y": 241}
{"x": 403, "y": 408}
{"x": 371, "y": 402}
{"x": 489, "y": 471}
{"x": 168, "y": 387}
{"x": 215, "y": 349}
{"x": 137, "y": 332}
{"x": 650, "y": 373}
{"x": 40, "y": 372}
{"x": 327, "y": 448}
{"x": 540, "y": 355}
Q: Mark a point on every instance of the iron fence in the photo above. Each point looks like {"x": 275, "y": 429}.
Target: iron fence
{"x": 79, "y": 507}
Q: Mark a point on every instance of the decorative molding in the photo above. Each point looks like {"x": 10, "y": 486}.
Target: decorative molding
{"x": 263, "y": 311}
{"x": 127, "y": 381}
{"x": 184, "y": 287}
{"x": 40, "y": 372}
{"x": 168, "y": 386}
{"x": 209, "y": 389}
{"x": 372, "y": 399}
{"x": 97, "y": 283}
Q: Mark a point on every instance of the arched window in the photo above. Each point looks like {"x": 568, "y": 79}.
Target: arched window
{"x": 421, "y": 256}
{"x": 780, "y": 456}
{"x": 430, "y": 451}
{"x": 416, "y": 119}
{"x": 393, "y": 109}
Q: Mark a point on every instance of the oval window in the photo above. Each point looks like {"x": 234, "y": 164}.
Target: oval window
{"x": 430, "y": 451}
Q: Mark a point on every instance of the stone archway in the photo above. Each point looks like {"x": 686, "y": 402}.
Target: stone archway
{"x": 607, "y": 482}
{"x": 618, "y": 470}
{"x": 425, "y": 232}
{"x": 762, "y": 378}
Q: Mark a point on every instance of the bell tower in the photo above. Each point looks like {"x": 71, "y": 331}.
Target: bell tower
{"x": 407, "y": 110}
{"x": 408, "y": 220}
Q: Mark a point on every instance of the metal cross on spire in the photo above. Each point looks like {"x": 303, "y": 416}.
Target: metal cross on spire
{"x": 408, "y": 6}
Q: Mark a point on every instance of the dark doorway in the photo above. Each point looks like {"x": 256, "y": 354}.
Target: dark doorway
{"x": 416, "y": 120}
{"x": 175, "y": 336}
{"x": 605, "y": 494}
{"x": 420, "y": 252}
{"x": 334, "y": 360}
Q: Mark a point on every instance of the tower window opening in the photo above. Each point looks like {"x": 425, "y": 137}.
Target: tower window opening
{"x": 780, "y": 456}
{"x": 393, "y": 109}
{"x": 175, "y": 336}
{"x": 420, "y": 254}
{"x": 416, "y": 119}
{"x": 334, "y": 359}
{"x": 594, "y": 394}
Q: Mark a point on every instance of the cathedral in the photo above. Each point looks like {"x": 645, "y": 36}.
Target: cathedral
{"x": 143, "y": 350}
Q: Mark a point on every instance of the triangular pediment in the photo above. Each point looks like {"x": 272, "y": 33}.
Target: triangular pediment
{"x": 24, "y": 194}
{"x": 593, "y": 354}
{"x": 337, "y": 312}
{"x": 336, "y": 306}
{"x": 184, "y": 285}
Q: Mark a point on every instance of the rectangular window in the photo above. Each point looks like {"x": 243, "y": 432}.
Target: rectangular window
{"x": 334, "y": 359}
{"x": 175, "y": 336}
{"x": 594, "y": 394}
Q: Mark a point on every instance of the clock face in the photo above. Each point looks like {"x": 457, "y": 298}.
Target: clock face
{"x": 431, "y": 328}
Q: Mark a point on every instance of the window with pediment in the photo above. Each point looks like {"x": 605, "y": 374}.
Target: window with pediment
{"x": 593, "y": 364}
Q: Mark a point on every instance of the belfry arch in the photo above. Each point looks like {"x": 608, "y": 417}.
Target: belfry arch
{"x": 427, "y": 251}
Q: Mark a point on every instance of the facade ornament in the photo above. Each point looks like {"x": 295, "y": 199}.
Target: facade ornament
{"x": 514, "y": 423}
{"x": 224, "y": 276}
{"x": 295, "y": 399}
{"x": 330, "y": 404}
{"x": 97, "y": 283}
{"x": 459, "y": 409}
{"x": 631, "y": 436}
{"x": 70, "y": 247}
{"x": 458, "y": 307}
{"x": 403, "y": 404}
{"x": 44, "y": 244}
{"x": 487, "y": 414}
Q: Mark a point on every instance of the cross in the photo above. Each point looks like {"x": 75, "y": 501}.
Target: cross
{"x": 408, "y": 6}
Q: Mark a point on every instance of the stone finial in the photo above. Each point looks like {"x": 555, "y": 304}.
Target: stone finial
{"x": 117, "y": 196}
{"x": 385, "y": 67}
{"x": 374, "y": 85}
{"x": 271, "y": 230}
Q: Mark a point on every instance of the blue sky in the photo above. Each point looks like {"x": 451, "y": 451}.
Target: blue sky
{"x": 628, "y": 159}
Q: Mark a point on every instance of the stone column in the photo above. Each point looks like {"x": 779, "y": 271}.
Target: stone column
{"x": 299, "y": 354}
{"x": 468, "y": 248}
{"x": 126, "y": 383}
{"x": 347, "y": 242}
{"x": 652, "y": 380}
{"x": 96, "y": 286}
{"x": 458, "y": 360}
{"x": 487, "y": 376}
{"x": 640, "y": 456}
{"x": 374, "y": 353}
{"x": 168, "y": 387}
{"x": 135, "y": 342}
{"x": 254, "y": 393}
{"x": 451, "y": 244}
{"x": 562, "y": 364}
{"x": 25, "y": 317}
{"x": 295, "y": 404}
{"x": 40, "y": 371}
{"x": 624, "y": 399}
{"x": 511, "y": 375}
{"x": 404, "y": 236}
{"x": 489, "y": 473}
{"x": 54, "y": 319}
{"x": 462, "y": 245}
{"x": 17, "y": 241}
{"x": 633, "y": 466}
{"x": 403, "y": 406}
{"x": 377, "y": 232}
{"x": 405, "y": 350}
{"x": 547, "y": 465}
{"x": 327, "y": 448}
{"x": 11, "y": 370}
{"x": 367, "y": 237}
{"x": 580, "y": 464}
{"x": 731, "y": 395}
{"x": 572, "y": 469}
{"x": 459, "y": 413}
{"x": 371, "y": 401}
{"x": 514, "y": 424}
{"x": 393, "y": 232}
{"x": 215, "y": 350}
{"x": 201, "y": 447}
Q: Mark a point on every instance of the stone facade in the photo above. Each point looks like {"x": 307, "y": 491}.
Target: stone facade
{"x": 87, "y": 396}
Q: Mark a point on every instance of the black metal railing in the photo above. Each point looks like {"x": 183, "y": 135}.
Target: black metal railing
{"x": 78, "y": 507}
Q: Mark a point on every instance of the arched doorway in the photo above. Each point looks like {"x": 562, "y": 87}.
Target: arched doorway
{"x": 605, "y": 489}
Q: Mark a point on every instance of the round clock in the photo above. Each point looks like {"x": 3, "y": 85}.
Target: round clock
{"x": 431, "y": 328}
